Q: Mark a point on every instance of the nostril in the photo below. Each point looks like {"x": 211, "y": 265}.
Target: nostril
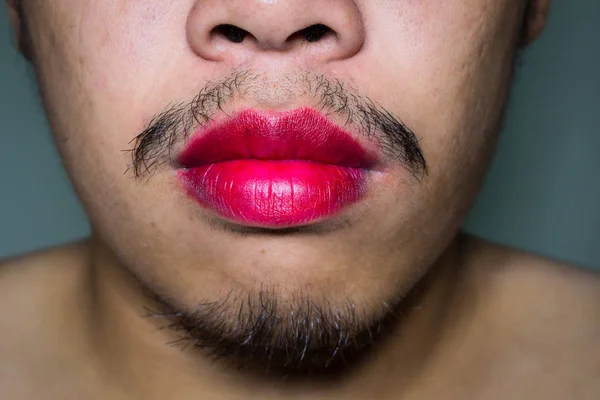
{"x": 230, "y": 32}
{"x": 314, "y": 33}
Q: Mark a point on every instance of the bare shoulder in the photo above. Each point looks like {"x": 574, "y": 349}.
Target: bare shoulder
{"x": 29, "y": 281}
{"x": 38, "y": 314}
{"x": 546, "y": 316}
{"x": 534, "y": 277}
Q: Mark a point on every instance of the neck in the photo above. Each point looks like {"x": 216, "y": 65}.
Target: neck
{"x": 142, "y": 362}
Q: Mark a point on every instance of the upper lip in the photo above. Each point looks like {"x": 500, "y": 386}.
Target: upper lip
{"x": 303, "y": 134}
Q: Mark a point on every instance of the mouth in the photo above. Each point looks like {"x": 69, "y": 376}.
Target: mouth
{"x": 275, "y": 170}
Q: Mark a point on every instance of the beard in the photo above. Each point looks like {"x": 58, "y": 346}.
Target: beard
{"x": 266, "y": 332}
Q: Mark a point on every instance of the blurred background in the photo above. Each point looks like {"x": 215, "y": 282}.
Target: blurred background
{"x": 542, "y": 193}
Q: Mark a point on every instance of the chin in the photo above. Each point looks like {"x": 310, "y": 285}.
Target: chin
{"x": 288, "y": 329}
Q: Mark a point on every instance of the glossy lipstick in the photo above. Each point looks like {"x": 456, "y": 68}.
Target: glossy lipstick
{"x": 275, "y": 170}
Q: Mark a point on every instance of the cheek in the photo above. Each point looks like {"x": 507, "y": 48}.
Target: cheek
{"x": 445, "y": 71}
{"x": 100, "y": 74}
{"x": 446, "y": 74}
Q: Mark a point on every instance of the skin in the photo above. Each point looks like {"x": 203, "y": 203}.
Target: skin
{"x": 494, "y": 323}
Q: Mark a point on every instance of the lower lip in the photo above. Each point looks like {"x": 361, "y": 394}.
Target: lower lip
{"x": 274, "y": 194}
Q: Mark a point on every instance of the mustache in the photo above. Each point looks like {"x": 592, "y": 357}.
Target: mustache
{"x": 154, "y": 147}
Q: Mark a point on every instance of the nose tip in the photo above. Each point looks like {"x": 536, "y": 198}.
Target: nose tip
{"x": 220, "y": 30}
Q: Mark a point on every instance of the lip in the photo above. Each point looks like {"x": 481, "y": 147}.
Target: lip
{"x": 275, "y": 169}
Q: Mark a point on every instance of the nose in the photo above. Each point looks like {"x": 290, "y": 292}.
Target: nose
{"x": 230, "y": 30}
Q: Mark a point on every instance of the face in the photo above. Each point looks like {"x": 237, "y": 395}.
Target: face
{"x": 404, "y": 99}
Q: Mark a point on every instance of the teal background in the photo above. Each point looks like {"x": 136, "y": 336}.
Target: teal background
{"x": 542, "y": 193}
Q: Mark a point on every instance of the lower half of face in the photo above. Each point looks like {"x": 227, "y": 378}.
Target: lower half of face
{"x": 440, "y": 71}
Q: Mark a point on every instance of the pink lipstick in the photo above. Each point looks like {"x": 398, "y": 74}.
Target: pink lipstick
{"x": 275, "y": 170}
